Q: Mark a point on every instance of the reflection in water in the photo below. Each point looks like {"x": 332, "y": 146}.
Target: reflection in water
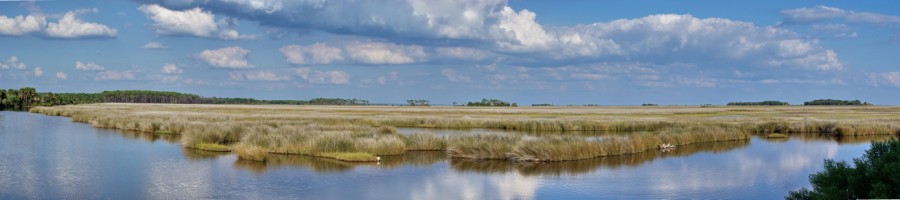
{"x": 149, "y": 137}
{"x": 859, "y": 139}
{"x": 328, "y": 165}
{"x": 428, "y": 158}
{"x": 44, "y": 157}
{"x": 590, "y": 165}
{"x": 196, "y": 154}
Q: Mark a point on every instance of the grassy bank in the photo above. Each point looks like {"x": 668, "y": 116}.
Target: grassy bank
{"x": 365, "y": 133}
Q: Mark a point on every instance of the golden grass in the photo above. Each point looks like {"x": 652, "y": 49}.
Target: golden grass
{"x": 253, "y": 131}
{"x": 213, "y": 147}
{"x": 351, "y": 156}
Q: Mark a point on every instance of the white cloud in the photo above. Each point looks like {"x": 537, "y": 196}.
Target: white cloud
{"x": 12, "y": 62}
{"x": 115, "y": 75}
{"x": 21, "y": 25}
{"x": 67, "y": 27}
{"x": 171, "y": 69}
{"x": 589, "y": 76}
{"x": 822, "y": 13}
{"x": 88, "y": 66}
{"x": 323, "y": 77}
{"x": 228, "y": 57}
{"x": 190, "y": 22}
{"x": 357, "y": 52}
{"x": 384, "y": 53}
{"x": 887, "y": 78}
{"x": 464, "y": 53}
{"x": 495, "y": 27}
{"x": 38, "y": 72}
{"x": 62, "y": 76}
{"x": 318, "y": 53}
{"x": 70, "y": 27}
{"x": 454, "y": 76}
{"x": 154, "y": 45}
{"x": 257, "y": 76}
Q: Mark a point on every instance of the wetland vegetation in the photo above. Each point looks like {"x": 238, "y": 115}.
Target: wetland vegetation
{"x": 366, "y": 133}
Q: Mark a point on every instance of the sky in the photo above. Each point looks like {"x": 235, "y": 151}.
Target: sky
{"x": 529, "y": 52}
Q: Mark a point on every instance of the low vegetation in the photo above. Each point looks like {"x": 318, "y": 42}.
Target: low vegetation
{"x": 761, "y": 103}
{"x": 491, "y": 102}
{"x": 834, "y": 102}
{"x": 874, "y": 176}
{"x": 253, "y": 132}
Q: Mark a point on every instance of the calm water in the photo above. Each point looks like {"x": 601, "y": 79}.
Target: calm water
{"x": 43, "y": 157}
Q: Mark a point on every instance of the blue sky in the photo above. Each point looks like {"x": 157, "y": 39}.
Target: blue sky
{"x": 577, "y": 52}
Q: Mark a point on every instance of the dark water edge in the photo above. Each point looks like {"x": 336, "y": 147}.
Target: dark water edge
{"x": 47, "y": 157}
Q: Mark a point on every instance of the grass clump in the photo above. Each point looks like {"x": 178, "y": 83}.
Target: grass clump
{"x": 351, "y": 156}
{"x": 384, "y": 145}
{"x": 213, "y": 147}
{"x": 425, "y": 142}
{"x": 487, "y": 147}
{"x": 776, "y": 135}
{"x": 250, "y": 152}
{"x": 556, "y": 148}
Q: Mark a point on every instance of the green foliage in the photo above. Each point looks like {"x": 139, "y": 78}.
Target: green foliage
{"x": 337, "y": 101}
{"x": 761, "y": 103}
{"x": 835, "y": 102}
{"x": 419, "y": 102}
{"x": 649, "y": 104}
{"x": 492, "y": 102}
{"x": 875, "y": 175}
{"x": 542, "y": 104}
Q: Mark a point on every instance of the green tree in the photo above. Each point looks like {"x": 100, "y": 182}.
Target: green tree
{"x": 875, "y": 175}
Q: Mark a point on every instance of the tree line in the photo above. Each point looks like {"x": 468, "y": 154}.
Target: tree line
{"x": 835, "y": 102}
{"x": 492, "y": 102}
{"x": 24, "y": 98}
{"x": 761, "y": 103}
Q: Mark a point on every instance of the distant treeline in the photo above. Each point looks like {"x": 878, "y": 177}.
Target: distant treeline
{"x": 28, "y": 97}
{"x": 835, "y": 102}
{"x": 492, "y": 102}
{"x": 761, "y": 103}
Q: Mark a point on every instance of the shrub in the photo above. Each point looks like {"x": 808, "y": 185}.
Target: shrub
{"x": 875, "y": 175}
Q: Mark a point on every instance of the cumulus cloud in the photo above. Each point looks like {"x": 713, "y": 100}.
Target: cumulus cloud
{"x": 115, "y": 75}
{"x": 69, "y": 26}
{"x": 12, "y": 62}
{"x": 356, "y": 52}
{"x": 389, "y": 77}
{"x": 257, "y": 76}
{"x": 38, "y": 72}
{"x": 171, "y": 69}
{"x": 21, "y": 25}
{"x": 62, "y": 76}
{"x": 318, "y": 53}
{"x": 154, "y": 45}
{"x": 88, "y": 66}
{"x": 189, "y": 22}
{"x": 824, "y": 13}
{"x": 384, "y": 53}
{"x": 323, "y": 77}
{"x": 228, "y": 57}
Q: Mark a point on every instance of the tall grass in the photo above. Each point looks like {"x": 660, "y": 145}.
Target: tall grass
{"x": 253, "y": 132}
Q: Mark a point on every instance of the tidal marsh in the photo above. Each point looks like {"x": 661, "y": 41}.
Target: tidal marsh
{"x": 361, "y": 133}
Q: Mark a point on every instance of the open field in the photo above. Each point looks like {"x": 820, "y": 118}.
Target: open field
{"x": 362, "y": 133}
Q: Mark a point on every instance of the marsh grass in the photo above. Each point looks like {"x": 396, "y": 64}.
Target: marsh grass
{"x": 255, "y": 131}
{"x": 425, "y": 142}
{"x": 486, "y": 147}
{"x": 213, "y": 147}
{"x": 351, "y": 156}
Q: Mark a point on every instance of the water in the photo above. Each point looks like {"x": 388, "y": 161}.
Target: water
{"x": 44, "y": 157}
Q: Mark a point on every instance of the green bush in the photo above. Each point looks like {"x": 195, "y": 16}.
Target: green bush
{"x": 875, "y": 175}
